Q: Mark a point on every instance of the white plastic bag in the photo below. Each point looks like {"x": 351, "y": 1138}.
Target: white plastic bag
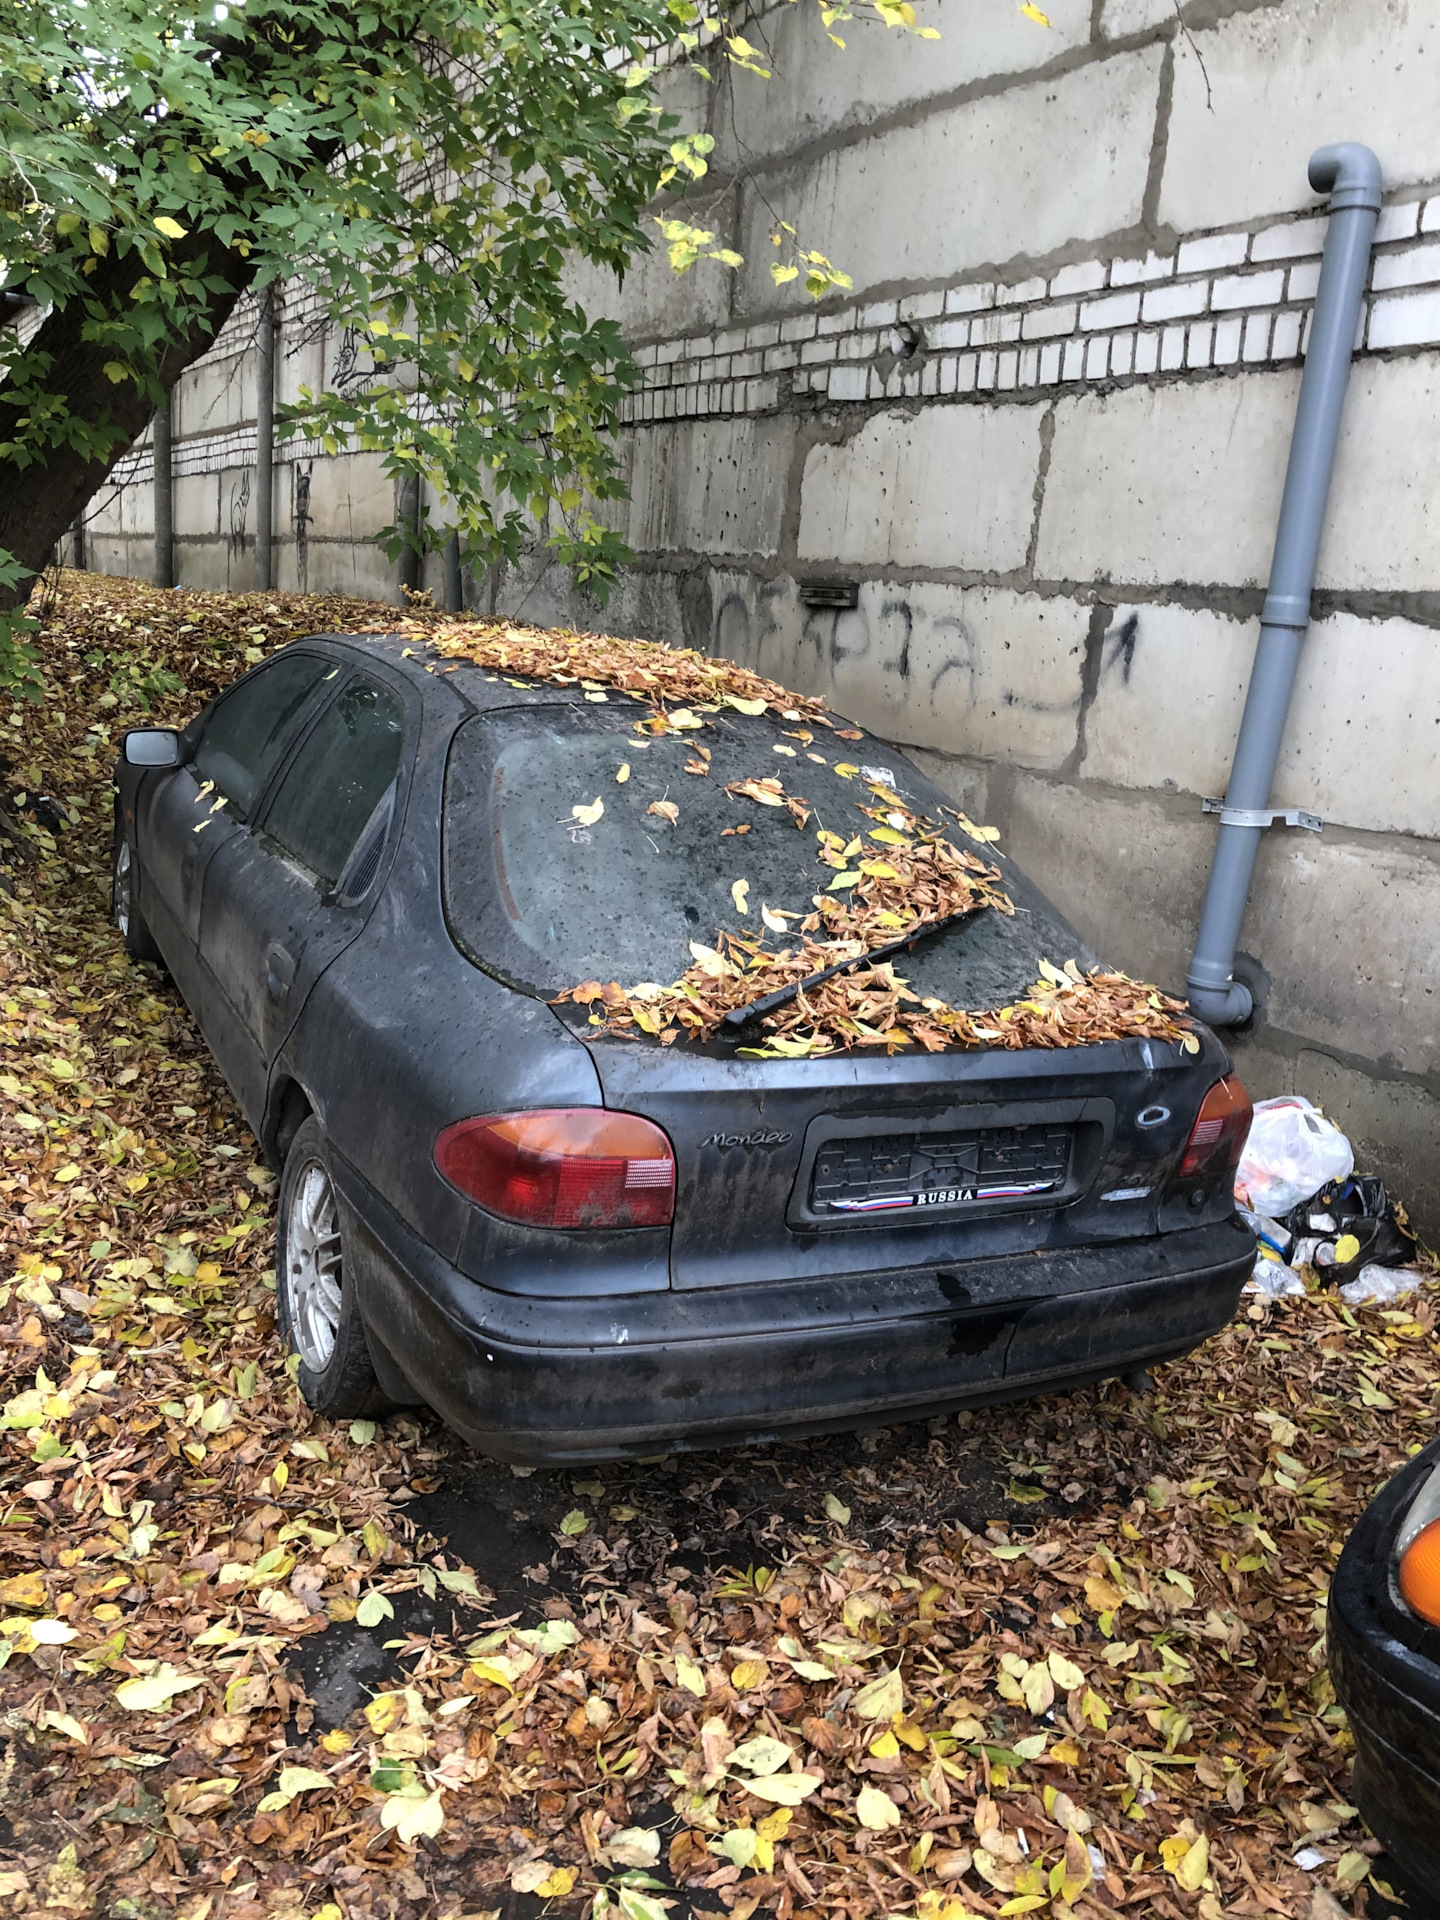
{"x": 1380, "y": 1286}
{"x": 1273, "y": 1280}
{"x": 1292, "y": 1152}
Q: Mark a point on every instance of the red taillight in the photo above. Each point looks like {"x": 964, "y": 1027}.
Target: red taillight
{"x": 1218, "y": 1136}
{"x": 563, "y": 1167}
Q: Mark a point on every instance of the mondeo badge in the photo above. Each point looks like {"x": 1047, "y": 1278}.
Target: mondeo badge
{"x": 761, "y": 1137}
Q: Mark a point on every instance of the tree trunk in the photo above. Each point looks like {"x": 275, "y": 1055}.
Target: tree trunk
{"x": 37, "y": 503}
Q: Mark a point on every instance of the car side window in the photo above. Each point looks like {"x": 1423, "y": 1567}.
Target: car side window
{"x": 251, "y": 727}
{"x": 338, "y": 779}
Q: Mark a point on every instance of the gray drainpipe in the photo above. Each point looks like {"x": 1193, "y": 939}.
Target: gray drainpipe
{"x": 265, "y": 443}
{"x": 1351, "y": 175}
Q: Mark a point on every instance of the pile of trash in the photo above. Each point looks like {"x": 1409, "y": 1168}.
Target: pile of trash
{"x": 1319, "y": 1223}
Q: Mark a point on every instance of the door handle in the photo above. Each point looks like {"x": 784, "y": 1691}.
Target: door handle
{"x": 279, "y": 971}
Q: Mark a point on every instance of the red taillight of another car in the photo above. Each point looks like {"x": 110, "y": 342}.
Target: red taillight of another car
{"x": 1218, "y": 1136}
{"x": 563, "y": 1167}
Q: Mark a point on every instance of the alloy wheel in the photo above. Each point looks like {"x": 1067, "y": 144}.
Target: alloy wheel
{"x": 122, "y": 887}
{"x": 312, "y": 1267}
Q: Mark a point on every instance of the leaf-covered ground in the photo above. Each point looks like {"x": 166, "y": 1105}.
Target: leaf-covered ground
{"x": 1064, "y": 1657}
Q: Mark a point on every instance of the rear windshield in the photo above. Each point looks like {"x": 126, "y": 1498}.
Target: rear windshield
{"x": 546, "y": 891}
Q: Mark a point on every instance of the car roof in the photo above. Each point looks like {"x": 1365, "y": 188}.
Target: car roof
{"x": 477, "y": 687}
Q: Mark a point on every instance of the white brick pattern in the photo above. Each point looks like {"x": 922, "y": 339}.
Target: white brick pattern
{"x": 1220, "y": 301}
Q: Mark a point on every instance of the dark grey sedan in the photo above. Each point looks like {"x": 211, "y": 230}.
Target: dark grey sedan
{"x": 370, "y": 880}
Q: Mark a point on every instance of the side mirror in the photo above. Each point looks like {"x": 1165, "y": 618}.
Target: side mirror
{"x": 153, "y": 747}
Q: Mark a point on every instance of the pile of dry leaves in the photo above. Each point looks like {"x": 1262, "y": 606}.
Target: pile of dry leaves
{"x": 1091, "y": 1683}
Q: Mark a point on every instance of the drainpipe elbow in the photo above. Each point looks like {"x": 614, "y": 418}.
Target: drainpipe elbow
{"x": 1227, "y": 1006}
{"x": 1349, "y": 173}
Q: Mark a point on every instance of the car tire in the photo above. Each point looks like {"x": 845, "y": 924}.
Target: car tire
{"x": 136, "y": 935}
{"x": 315, "y": 1304}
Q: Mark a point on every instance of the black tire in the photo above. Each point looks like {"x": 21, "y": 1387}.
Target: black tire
{"x": 138, "y": 939}
{"x": 315, "y": 1302}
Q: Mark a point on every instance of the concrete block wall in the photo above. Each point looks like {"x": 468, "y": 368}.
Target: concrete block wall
{"x": 1045, "y": 436}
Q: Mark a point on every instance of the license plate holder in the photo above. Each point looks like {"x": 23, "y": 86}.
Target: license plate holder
{"x": 895, "y": 1170}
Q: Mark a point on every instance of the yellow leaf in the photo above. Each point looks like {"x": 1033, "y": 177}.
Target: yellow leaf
{"x": 295, "y": 1780}
{"x": 836, "y": 1510}
{"x": 845, "y": 770}
{"x": 153, "y": 1692}
{"x": 744, "y": 706}
{"x": 772, "y": 920}
{"x": 739, "y": 893}
{"x": 171, "y": 229}
{"x": 408, "y": 1818}
{"x": 1066, "y": 1673}
{"x": 746, "y": 1675}
{"x": 886, "y": 1747}
{"x": 1032, "y": 12}
{"x": 624, "y": 774}
{"x": 876, "y": 1810}
{"x": 714, "y": 965}
{"x": 23, "y": 1590}
{"x": 785, "y": 1789}
{"x": 1187, "y": 1859}
{"x": 1101, "y": 1596}
{"x": 558, "y": 1883}
{"x": 882, "y": 1699}
{"x": 385, "y": 1711}
{"x": 1346, "y": 1247}
{"x": 690, "y": 1676}
{"x": 587, "y": 816}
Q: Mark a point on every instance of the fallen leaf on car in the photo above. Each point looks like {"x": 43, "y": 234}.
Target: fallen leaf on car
{"x": 666, "y": 809}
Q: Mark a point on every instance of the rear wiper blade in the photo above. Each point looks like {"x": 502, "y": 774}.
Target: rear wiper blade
{"x": 740, "y": 1017}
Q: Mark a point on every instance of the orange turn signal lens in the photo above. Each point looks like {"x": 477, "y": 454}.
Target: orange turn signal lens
{"x": 1420, "y": 1574}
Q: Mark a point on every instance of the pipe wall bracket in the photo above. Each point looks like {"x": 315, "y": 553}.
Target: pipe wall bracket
{"x": 1263, "y": 816}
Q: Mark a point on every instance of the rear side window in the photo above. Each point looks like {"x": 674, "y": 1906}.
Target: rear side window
{"x": 547, "y": 896}
{"x": 339, "y": 779}
{"x": 245, "y": 736}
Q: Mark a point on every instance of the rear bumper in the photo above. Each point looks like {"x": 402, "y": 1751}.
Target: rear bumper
{"x": 1385, "y": 1665}
{"x": 533, "y": 1379}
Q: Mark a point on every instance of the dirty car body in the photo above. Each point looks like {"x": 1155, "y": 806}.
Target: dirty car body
{"x": 370, "y": 932}
{"x": 1385, "y": 1665}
